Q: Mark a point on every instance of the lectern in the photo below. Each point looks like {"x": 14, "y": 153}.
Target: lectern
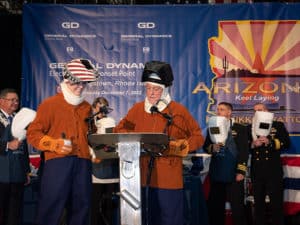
{"x": 128, "y": 148}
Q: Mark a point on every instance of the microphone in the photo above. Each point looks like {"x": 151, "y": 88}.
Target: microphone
{"x": 154, "y": 109}
{"x": 104, "y": 110}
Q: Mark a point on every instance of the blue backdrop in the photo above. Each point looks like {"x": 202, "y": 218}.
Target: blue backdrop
{"x": 241, "y": 53}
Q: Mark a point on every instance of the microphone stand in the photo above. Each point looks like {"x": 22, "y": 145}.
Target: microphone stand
{"x": 90, "y": 120}
{"x": 150, "y": 168}
{"x": 153, "y": 155}
{"x": 92, "y": 116}
{"x": 168, "y": 117}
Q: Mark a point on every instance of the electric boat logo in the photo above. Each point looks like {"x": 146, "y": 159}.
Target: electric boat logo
{"x": 257, "y": 61}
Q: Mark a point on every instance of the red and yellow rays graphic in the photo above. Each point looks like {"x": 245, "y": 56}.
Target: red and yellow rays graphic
{"x": 264, "y": 49}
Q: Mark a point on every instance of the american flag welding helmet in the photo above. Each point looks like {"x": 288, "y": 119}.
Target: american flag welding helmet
{"x": 80, "y": 70}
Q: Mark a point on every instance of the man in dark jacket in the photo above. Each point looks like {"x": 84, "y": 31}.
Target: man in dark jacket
{"x": 227, "y": 168}
{"x": 14, "y": 162}
{"x": 266, "y": 168}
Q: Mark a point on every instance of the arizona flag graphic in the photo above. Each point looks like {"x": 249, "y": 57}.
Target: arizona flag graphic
{"x": 291, "y": 168}
{"x": 256, "y": 61}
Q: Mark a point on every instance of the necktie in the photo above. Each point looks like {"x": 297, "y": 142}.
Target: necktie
{"x": 10, "y": 118}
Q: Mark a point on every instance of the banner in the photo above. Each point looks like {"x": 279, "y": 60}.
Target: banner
{"x": 241, "y": 53}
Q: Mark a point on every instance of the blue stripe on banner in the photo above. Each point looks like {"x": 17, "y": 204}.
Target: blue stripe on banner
{"x": 292, "y": 183}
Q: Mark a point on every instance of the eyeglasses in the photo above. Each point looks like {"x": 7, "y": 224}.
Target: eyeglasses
{"x": 11, "y": 99}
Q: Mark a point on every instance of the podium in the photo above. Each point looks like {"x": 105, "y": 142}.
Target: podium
{"x": 127, "y": 146}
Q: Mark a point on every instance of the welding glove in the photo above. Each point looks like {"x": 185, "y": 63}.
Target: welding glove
{"x": 179, "y": 148}
{"x": 59, "y": 146}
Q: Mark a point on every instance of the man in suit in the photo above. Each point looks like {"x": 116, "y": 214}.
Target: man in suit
{"x": 14, "y": 162}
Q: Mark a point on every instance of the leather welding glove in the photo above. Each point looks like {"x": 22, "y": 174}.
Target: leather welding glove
{"x": 60, "y": 146}
{"x": 179, "y": 148}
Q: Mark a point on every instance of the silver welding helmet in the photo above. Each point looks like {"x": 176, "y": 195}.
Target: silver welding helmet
{"x": 262, "y": 123}
{"x": 218, "y": 128}
{"x": 21, "y": 121}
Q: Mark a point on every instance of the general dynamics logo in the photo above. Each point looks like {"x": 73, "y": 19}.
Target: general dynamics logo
{"x": 146, "y": 25}
{"x": 70, "y": 25}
